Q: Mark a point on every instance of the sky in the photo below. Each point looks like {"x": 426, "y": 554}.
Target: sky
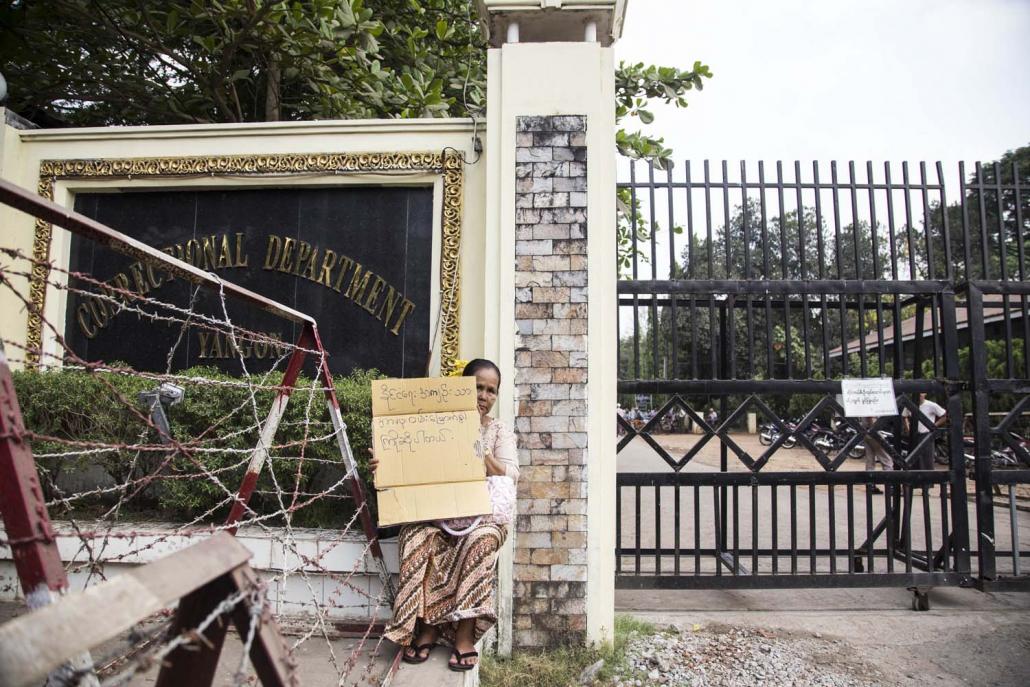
{"x": 841, "y": 79}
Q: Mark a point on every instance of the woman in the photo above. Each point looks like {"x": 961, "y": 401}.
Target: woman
{"x": 447, "y": 583}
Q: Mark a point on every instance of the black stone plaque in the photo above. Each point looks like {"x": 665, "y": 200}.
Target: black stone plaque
{"x": 357, "y": 259}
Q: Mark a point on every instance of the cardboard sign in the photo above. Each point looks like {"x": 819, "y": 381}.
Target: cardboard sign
{"x": 424, "y": 433}
{"x": 868, "y": 397}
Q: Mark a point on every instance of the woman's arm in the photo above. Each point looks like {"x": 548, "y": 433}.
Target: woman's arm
{"x": 504, "y": 458}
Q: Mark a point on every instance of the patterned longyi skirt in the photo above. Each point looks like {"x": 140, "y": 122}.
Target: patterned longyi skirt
{"x": 445, "y": 579}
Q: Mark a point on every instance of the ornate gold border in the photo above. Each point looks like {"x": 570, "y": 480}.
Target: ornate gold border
{"x": 447, "y": 163}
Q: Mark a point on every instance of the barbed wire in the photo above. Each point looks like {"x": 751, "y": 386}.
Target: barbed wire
{"x": 107, "y": 520}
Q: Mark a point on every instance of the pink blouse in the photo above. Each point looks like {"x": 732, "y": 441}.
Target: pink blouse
{"x": 500, "y": 440}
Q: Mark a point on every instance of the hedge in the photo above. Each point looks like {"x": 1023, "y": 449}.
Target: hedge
{"x": 84, "y": 406}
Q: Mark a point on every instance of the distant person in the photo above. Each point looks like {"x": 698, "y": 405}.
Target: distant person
{"x": 936, "y": 415}
{"x": 712, "y": 418}
{"x": 875, "y": 452}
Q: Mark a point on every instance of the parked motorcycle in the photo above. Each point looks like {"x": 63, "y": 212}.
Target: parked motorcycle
{"x": 769, "y": 433}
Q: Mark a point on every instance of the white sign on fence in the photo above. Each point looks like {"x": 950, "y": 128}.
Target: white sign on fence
{"x": 868, "y": 397}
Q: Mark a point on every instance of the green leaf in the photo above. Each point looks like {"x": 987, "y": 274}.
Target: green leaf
{"x": 441, "y": 29}
{"x": 645, "y": 116}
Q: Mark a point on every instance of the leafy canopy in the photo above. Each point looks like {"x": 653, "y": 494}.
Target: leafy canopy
{"x": 92, "y": 62}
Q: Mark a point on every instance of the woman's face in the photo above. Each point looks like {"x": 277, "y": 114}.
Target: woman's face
{"x": 487, "y": 382}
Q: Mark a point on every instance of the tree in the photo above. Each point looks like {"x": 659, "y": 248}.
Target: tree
{"x": 89, "y": 63}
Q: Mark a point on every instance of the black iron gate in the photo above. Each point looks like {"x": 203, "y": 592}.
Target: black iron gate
{"x": 744, "y": 301}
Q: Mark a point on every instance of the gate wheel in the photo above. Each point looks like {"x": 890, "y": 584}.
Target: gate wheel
{"x": 920, "y": 600}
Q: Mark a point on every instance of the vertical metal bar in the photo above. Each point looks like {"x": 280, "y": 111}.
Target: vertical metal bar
{"x": 823, "y": 314}
{"x": 877, "y": 267}
{"x": 927, "y": 531}
{"x": 717, "y": 509}
{"x": 754, "y": 529}
{"x": 982, "y": 436}
{"x": 673, "y": 270}
{"x": 1014, "y": 531}
{"x": 656, "y": 337}
{"x": 636, "y": 527}
{"x": 832, "y": 504}
{"x": 805, "y": 315}
{"x": 889, "y": 501}
{"x": 863, "y": 359}
{"x": 657, "y": 530}
{"x": 851, "y": 528}
{"x": 839, "y": 250}
{"x": 676, "y": 530}
{"x": 793, "y": 529}
{"x": 930, "y": 260}
{"x": 949, "y": 273}
{"x": 713, "y": 365}
{"x": 634, "y": 261}
{"x": 769, "y": 362}
{"x": 811, "y": 529}
{"x": 985, "y": 251}
{"x": 749, "y": 312}
{"x": 736, "y": 530}
{"x": 967, "y": 250}
{"x": 1003, "y": 269}
{"x": 947, "y": 541}
{"x": 959, "y": 535}
{"x": 906, "y": 186}
{"x": 775, "y": 531}
{"x": 906, "y": 524}
{"x": 870, "y": 557}
{"x": 618, "y": 529}
{"x": 697, "y": 529}
{"x": 899, "y": 359}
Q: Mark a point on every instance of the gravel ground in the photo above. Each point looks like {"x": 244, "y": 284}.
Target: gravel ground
{"x": 722, "y": 656}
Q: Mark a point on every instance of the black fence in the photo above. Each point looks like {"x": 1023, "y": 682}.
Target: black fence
{"x": 754, "y": 294}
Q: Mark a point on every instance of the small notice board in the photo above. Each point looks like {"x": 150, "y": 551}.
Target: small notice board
{"x": 424, "y": 433}
{"x": 868, "y": 397}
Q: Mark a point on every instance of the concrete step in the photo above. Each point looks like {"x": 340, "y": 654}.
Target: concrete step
{"x": 434, "y": 673}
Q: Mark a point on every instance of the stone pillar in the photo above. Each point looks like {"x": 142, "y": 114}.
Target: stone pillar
{"x": 551, "y": 305}
{"x": 551, "y": 284}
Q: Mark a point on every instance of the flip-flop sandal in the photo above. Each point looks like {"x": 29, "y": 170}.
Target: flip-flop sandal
{"x": 458, "y": 666}
{"x": 417, "y": 657}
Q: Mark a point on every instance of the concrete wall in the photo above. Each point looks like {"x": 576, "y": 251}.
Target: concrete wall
{"x": 21, "y": 153}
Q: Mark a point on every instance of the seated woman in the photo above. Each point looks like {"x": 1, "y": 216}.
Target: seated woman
{"x": 447, "y": 583}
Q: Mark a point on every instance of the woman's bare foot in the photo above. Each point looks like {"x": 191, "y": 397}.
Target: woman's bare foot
{"x": 428, "y": 634}
{"x": 463, "y": 643}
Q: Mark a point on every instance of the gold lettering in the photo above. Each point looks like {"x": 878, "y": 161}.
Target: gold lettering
{"x": 216, "y": 350}
{"x": 203, "y": 338}
{"x": 260, "y": 349}
{"x": 210, "y": 261}
{"x": 191, "y": 252}
{"x": 357, "y": 288}
{"x": 303, "y": 251}
{"x": 309, "y": 271}
{"x": 136, "y": 270}
{"x": 120, "y": 281}
{"x": 98, "y": 309}
{"x": 286, "y": 264}
{"x": 82, "y": 317}
{"x": 388, "y": 304}
{"x": 406, "y": 308}
{"x": 241, "y": 257}
{"x": 345, "y": 264}
{"x": 272, "y": 254}
{"x": 152, "y": 276}
{"x": 373, "y": 294}
{"x": 225, "y": 254}
{"x": 327, "y": 267}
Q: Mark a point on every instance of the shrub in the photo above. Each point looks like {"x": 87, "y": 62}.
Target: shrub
{"x": 97, "y": 408}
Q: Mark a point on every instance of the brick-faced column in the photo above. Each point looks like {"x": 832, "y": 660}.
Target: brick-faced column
{"x": 551, "y": 380}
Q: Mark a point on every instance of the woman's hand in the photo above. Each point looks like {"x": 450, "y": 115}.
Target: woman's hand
{"x": 494, "y": 467}
{"x": 373, "y": 462}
